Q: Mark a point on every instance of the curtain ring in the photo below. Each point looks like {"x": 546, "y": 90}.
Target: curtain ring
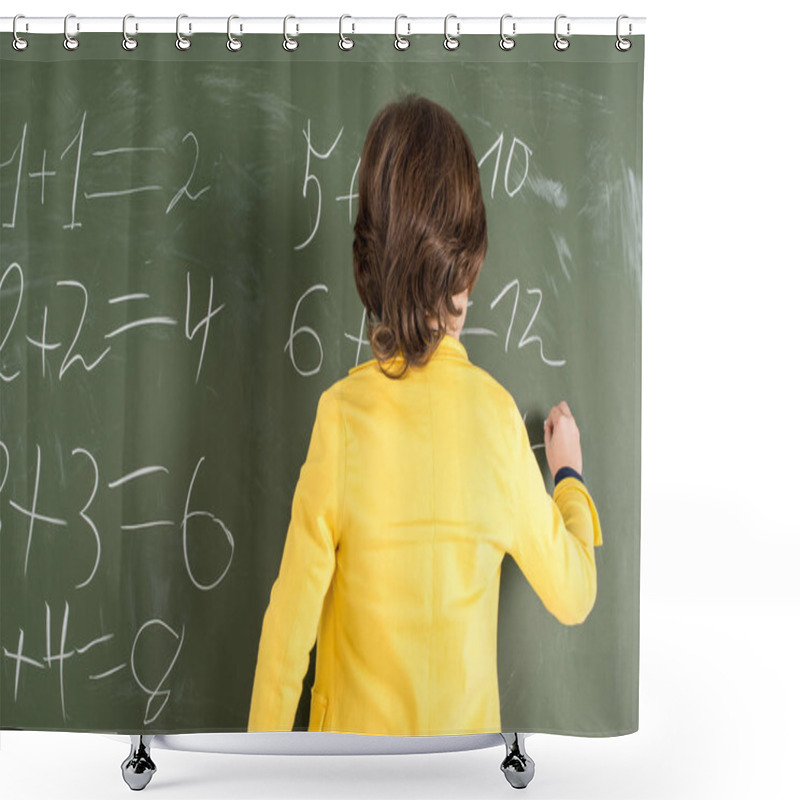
{"x": 128, "y": 42}
{"x": 623, "y": 44}
{"x": 507, "y": 42}
{"x": 70, "y": 42}
{"x": 18, "y": 43}
{"x": 289, "y": 43}
{"x": 451, "y": 42}
{"x": 233, "y": 43}
{"x": 344, "y": 42}
{"x": 182, "y": 43}
{"x": 399, "y": 42}
{"x": 560, "y": 42}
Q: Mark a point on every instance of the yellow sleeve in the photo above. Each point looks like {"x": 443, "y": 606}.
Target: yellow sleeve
{"x": 553, "y": 539}
{"x": 290, "y": 622}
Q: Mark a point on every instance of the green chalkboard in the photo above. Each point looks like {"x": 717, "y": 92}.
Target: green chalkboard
{"x": 176, "y": 291}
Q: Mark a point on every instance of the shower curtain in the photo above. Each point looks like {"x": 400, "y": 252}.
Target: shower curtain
{"x": 176, "y": 292}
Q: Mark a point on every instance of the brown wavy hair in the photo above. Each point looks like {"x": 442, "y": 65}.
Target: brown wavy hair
{"x": 420, "y": 236}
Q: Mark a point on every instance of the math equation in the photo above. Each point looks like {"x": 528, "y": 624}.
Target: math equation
{"x": 85, "y": 488}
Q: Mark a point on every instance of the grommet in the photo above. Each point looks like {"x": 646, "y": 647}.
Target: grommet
{"x": 233, "y": 44}
{"x": 128, "y": 42}
{"x": 182, "y": 43}
{"x": 19, "y": 43}
{"x": 399, "y": 42}
{"x": 507, "y": 42}
{"x": 560, "y": 42}
{"x": 289, "y": 43}
{"x": 451, "y": 42}
{"x": 623, "y": 44}
{"x": 344, "y": 42}
{"x": 70, "y": 42}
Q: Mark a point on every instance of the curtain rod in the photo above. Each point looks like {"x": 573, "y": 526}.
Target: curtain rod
{"x": 407, "y": 26}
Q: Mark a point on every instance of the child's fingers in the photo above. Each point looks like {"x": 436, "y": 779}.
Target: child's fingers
{"x": 564, "y": 408}
{"x": 556, "y": 413}
{"x": 548, "y": 432}
{"x": 553, "y": 419}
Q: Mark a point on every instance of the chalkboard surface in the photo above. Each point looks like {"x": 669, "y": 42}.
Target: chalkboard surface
{"x": 176, "y": 291}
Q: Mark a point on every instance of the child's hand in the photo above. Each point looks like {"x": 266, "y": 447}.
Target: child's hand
{"x": 562, "y": 440}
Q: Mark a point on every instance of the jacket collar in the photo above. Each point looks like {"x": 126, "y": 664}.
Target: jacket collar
{"x": 448, "y": 347}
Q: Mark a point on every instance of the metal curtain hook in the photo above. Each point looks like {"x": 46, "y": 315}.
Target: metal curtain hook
{"x": 182, "y": 43}
{"x": 233, "y": 44}
{"x": 344, "y": 42}
{"x": 19, "y": 43}
{"x": 507, "y": 42}
{"x": 623, "y": 44}
{"x": 451, "y": 42}
{"x": 128, "y": 42}
{"x": 289, "y": 43}
{"x": 560, "y": 42}
{"x": 399, "y": 42}
{"x": 70, "y": 43}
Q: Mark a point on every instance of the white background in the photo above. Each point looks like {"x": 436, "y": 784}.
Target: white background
{"x": 719, "y": 696}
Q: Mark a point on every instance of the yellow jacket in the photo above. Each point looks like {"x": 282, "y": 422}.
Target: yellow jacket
{"x": 412, "y": 492}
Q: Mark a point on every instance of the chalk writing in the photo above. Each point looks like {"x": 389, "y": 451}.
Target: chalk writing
{"x": 93, "y": 328}
{"x": 150, "y": 714}
{"x": 352, "y": 195}
{"x": 496, "y": 148}
{"x": 21, "y": 659}
{"x": 50, "y": 657}
{"x": 33, "y": 515}
{"x": 20, "y": 148}
{"x": 32, "y": 512}
{"x": 360, "y": 340}
{"x": 5, "y": 467}
{"x": 295, "y": 332}
{"x": 203, "y": 325}
{"x": 77, "y": 144}
{"x": 78, "y": 138}
{"x": 14, "y": 265}
{"x": 187, "y": 515}
{"x": 526, "y": 338}
{"x": 184, "y": 190}
{"x": 538, "y": 445}
{"x": 311, "y": 177}
{"x": 204, "y": 322}
{"x": 141, "y": 657}
{"x": 65, "y": 364}
{"x": 43, "y": 344}
{"x": 85, "y": 517}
